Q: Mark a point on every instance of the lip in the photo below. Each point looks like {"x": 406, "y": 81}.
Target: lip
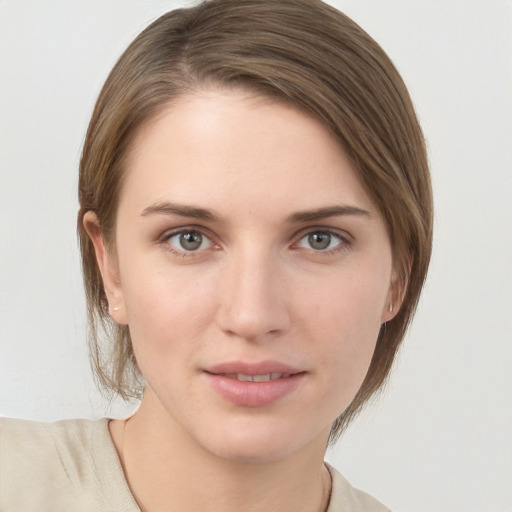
{"x": 253, "y": 394}
{"x": 260, "y": 368}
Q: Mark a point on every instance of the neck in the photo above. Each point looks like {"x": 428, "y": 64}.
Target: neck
{"x": 166, "y": 469}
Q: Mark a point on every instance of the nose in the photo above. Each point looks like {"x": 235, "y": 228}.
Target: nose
{"x": 254, "y": 305}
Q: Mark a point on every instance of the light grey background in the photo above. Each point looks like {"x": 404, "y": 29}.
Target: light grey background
{"x": 440, "y": 437}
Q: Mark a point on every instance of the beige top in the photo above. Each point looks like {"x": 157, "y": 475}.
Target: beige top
{"x": 72, "y": 466}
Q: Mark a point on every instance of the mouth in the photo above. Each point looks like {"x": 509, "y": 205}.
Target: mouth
{"x": 253, "y": 385}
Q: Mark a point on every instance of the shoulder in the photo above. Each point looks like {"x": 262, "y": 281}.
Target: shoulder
{"x": 66, "y": 465}
{"x": 21, "y": 431}
{"x": 345, "y": 498}
{"x": 61, "y": 444}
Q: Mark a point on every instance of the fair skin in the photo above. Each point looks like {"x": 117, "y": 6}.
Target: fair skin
{"x": 245, "y": 248}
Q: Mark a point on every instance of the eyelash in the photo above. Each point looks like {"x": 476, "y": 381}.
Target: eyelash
{"x": 168, "y": 235}
{"x": 344, "y": 241}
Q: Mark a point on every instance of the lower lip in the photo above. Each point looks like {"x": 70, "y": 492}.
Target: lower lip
{"x": 253, "y": 394}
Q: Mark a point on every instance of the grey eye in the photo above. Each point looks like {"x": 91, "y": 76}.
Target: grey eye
{"x": 320, "y": 241}
{"x": 189, "y": 241}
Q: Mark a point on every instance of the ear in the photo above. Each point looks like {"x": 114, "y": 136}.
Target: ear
{"x": 394, "y": 298}
{"x": 108, "y": 268}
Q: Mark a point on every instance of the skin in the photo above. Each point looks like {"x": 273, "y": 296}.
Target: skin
{"x": 259, "y": 287}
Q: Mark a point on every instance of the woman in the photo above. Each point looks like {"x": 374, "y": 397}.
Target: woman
{"x": 255, "y": 223}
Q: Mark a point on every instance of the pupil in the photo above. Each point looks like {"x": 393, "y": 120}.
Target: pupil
{"x": 191, "y": 241}
{"x": 319, "y": 240}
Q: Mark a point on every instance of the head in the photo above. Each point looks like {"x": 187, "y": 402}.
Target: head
{"x": 299, "y": 53}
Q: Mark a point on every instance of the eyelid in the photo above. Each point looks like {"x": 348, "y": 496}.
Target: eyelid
{"x": 343, "y": 236}
{"x": 340, "y": 233}
{"x": 170, "y": 233}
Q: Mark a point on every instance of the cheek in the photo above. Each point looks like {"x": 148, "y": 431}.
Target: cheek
{"x": 345, "y": 323}
{"x": 167, "y": 311}
{"x": 350, "y": 301}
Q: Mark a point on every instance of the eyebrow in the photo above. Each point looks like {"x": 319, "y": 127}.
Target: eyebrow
{"x": 195, "y": 212}
{"x": 324, "y": 213}
{"x": 183, "y": 210}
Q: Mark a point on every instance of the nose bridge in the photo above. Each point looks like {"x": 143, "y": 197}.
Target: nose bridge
{"x": 253, "y": 304}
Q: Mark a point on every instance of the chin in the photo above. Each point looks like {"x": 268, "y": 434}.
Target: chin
{"x": 252, "y": 451}
{"x": 260, "y": 444}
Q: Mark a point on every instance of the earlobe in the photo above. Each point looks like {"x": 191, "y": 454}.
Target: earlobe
{"x": 107, "y": 265}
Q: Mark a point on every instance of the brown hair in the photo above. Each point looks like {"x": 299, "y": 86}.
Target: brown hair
{"x": 302, "y": 52}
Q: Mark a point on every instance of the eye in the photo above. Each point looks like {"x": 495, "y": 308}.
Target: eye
{"x": 188, "y": 241}
{"x": 320, "y": 241}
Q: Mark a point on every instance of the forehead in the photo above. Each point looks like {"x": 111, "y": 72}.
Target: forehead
{"x": 220, "y": 146}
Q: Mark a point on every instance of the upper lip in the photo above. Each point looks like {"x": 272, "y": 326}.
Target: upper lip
{"x": 246, "y": 368}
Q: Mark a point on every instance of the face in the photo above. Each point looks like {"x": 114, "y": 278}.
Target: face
{"x": 253, "y": 271}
